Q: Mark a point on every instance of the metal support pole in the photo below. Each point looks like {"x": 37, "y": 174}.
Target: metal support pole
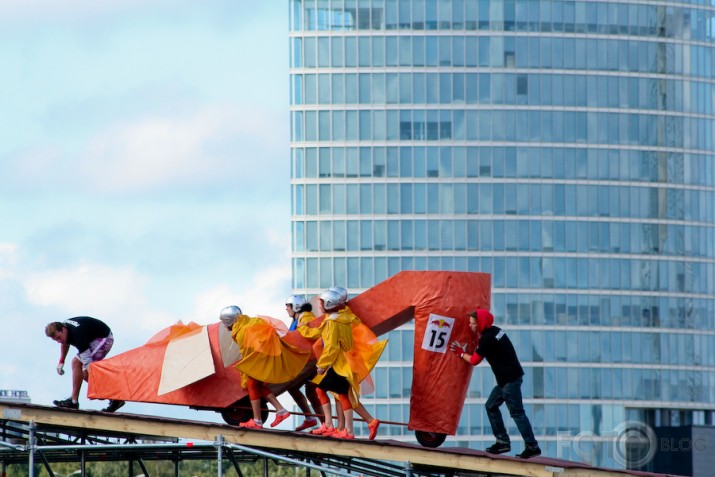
{"x": 300, "y": 463}
{"x": 235, "y": 464}
{"x": 408, "y": 469}
{"x": 31, "y": 454}
{"x": 47, "y": 465}
{"x": 219, "y": 454}
{"x": 144, "y": 469}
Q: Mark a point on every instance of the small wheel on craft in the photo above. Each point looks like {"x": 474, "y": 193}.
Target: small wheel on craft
{"x": 430, "y": 439}
{"x": 238, "y": 412}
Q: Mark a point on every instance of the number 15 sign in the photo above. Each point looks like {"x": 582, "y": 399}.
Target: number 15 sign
{"x": 437, "y": 333}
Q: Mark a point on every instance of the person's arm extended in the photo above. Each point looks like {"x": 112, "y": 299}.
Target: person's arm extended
{"x": 461, "y": 350}
{"x": 64, "y": 349}
{"x": 473, "y": 359}
{"x": 309, "y": 333}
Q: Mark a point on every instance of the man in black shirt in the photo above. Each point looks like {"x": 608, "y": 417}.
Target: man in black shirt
{"x": 495, "y": 346}
{"x": 93, "y": 340}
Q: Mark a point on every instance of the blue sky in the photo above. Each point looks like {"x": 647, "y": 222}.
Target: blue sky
{"x": 144, "y": 170}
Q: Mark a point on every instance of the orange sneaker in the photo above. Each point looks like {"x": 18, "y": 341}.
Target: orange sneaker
{"x": 280, "y": 417}
{"x": 323, "y": 430}
{"x": 251, "y": 424}
{"x": 310, "y": 422}
{"x": 343, "y": 434}
{"x": 374, "y": 424}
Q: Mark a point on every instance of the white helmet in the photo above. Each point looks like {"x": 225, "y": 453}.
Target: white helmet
{"x": 296, "y": 302}
{"x": 229, "y": 315}
{"x": 331, "y": 299}
{"x": 342, "y": 292}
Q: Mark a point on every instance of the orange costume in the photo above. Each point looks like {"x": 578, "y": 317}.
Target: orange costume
{"x": 265, "y": 356}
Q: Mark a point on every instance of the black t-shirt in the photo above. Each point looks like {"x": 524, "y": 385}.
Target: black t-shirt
{"x": 82, "y": 330}
{"x": 495, "y": 346}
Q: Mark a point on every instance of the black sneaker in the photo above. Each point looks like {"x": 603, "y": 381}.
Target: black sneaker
{"x": 499, "y": 448}
{"x": 529, "y": 451}
{"x": 113, "y": 405}
{"x": 66, "y": 403}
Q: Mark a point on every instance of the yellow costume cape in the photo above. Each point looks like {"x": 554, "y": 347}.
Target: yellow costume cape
{"x": 349, "y": 347}
{"x": 265, "y": 357}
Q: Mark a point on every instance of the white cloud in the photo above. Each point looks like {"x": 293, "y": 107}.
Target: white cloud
{"x": 114, "y": 295}
{"x": 164, "y": 150}
{"x": 213, "y": 146}
{"x": 264, "y": 295}
{"x": 152, "y": 152}
{"x": 96, "y": 288}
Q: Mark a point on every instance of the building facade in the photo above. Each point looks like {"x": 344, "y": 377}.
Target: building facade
{"x": 566, "y": 148}
{"x": 13, "y": 395}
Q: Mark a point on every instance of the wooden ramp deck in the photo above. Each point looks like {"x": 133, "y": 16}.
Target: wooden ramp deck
{"x": 67, "y": 435}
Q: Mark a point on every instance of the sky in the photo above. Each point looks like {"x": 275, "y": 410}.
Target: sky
{"x": 144, "y": 172}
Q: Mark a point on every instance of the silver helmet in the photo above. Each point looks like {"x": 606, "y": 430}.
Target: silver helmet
{"x": 331, "y": 299}
{"x": 296, "y": 302}
{"x": 342, "y": 292}
{"x": 229, "y": 315}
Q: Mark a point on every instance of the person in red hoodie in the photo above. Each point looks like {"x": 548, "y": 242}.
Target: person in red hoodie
{"x": 495, "y": 346}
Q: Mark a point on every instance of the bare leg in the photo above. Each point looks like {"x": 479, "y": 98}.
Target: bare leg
{"x": 312, "y": 395}
{"x": 372, "y": 423}
{"x": 281, "y": 413}
{"x": 340, "y": 415}
{"x": 300, "y": 400}
{"x": 77, "y": 377}
{"x": 328, "y": 413}
{"x": 362, "y": 412}
{"x": 349, "y": 421}
{"x": 310, "y": 417}
{"x": 271, "y": 398}
{"x": 256, "y": 408}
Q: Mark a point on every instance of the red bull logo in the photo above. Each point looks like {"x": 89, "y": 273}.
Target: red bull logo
{"x": 440, "y": 323}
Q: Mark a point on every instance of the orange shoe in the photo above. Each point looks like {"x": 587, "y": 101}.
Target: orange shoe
{"x": 323, "y": 430}
{"x": 280, "y": 417}
{"x": 251, "y": 424}
{"x": 310, "y": 422}
{"x": 343, "y": 434}
{"x": 374, "y": 424}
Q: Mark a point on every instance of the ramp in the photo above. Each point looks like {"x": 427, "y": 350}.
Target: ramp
{"x": 179, "y": 439}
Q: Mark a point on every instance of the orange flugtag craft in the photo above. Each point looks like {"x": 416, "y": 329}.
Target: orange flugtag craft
{"x": 195, "y": 365}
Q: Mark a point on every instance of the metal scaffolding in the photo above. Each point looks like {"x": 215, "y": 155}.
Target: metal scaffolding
{"x": 33, "y": 436}
{"x": 45, "y": 445}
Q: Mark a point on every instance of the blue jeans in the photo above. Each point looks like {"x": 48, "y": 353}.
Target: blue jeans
{"x": 510, "y": 394}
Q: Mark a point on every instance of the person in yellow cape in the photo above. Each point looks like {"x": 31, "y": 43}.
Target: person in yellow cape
{"x": 343, "y": 364}
{"x": 301, "y": 314}
{"x": 265, "y": 358}
{"x": 363, "y": 338}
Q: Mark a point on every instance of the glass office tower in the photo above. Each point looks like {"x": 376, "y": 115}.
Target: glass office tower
{"x": 565, "y": 147}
